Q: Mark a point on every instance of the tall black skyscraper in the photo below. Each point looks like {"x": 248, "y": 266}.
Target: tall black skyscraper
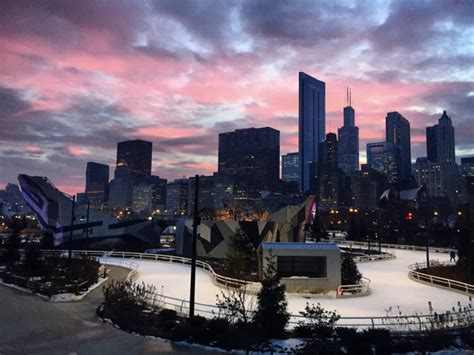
{"x": 440, "y": 141}
{"x": 397, "y": 130}
{"x": 252, "y": 156}
{"x": 312, "y": 125}
{"x": 348, "y": 146}
{"x": 329, "y": 175}
{"x": 136, "y": 154}
{"x": 97, "y": 181}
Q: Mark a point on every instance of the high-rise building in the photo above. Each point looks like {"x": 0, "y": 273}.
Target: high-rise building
{"x": 251, "y": 156}
{"x": 312, "y": 126}
{"x": 136, "y": 154}
{"x": 224, "y": 190}
{"x": 97, "y": 183}
{"x": 348, "y": 146}
{"x": 439, "y": 178}
{"x": 205, "y": 193}
{"x": 397, "y": 130}
{"x": 142, "y": 198}
{"x": 290, "y": 167}
{"x": 367, "y": 186}
{"x": 329, "y": 176}
{"x": 177, "y": 195}
{"x": 159, "y": 187}
{"x": 440, "y": 141}
{"x": 120, "y": 189}
{"x": 385, "y": 158}
{"x": 467, "y": 166}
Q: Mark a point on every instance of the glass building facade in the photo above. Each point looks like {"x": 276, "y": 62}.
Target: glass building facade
{"x": 312, "y": 129}
{"x": 397, "y": 130}
{"x": 290, "y": 167}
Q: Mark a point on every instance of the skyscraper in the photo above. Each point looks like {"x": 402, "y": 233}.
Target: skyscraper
{"x": 348, "y": 146}
{"x": 136, "y": 154}
{"x": 120, "y": 195}
{"x": 252, "y": 156}
{"x": 177, "y": 195}
{"x": 397, "y": 130}
{"x": 329, "y": 176}
{"x": 385, "y": 158}
{"x": 312, "y": 121}
{"x": 439, "y": 178}
{"x": 440, "y": 141}
{"x": 290, "y": 167}
{"x": 97, "y": 181}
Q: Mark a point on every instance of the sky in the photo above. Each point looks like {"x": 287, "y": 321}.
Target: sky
{"x": 76, "y": 77}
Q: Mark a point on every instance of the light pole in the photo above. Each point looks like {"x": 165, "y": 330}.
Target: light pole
{"x": 72, "y": 225}
{"x": 196, "y": 222}
{"x": 87, "y": 219}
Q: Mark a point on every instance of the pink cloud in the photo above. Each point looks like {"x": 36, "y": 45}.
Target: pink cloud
{"x": 77, "y": 151}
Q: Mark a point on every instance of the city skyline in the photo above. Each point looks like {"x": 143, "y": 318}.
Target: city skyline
{"x": 66, "y": 102}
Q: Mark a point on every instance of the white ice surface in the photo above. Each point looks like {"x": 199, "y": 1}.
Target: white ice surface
{"x": 389, "y": 283}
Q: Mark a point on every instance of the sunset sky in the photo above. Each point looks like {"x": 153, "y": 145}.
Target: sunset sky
{"x": 76, "y": 77}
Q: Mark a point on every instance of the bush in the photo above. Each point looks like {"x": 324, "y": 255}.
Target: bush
{"x": 319, "y": 322}
{"x": 181, "y": 331}
{"x": 127, "y": 295}
{"x": 350, "y": 274}
{"x": 167, "y": 315}
{"x": 197, "y": 321}
{"x": 218, "y": 326}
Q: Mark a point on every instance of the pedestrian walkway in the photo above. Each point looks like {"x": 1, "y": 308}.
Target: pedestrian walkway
{"x": 31, "y": 325}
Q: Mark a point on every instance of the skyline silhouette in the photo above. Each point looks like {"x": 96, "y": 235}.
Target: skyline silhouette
{"x": 79, "y": 77}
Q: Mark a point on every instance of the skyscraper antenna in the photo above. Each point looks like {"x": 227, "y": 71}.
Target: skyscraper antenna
{"x": 350, "y": 97}
{"x": 347, "y": 96}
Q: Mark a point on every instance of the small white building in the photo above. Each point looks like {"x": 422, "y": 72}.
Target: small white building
{"x": 304, "y": 267}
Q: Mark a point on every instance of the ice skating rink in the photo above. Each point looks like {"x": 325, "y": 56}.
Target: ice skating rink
{"x": 390, "y": 286}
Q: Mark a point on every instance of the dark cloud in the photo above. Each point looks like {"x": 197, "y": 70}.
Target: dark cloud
{"x": 207, "y": 19}
{"x": 11, "y": 103}
{"x": 413, "y": 26}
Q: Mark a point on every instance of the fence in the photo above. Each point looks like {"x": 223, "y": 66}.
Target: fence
{"x": 413, "y": 273}
{"x": 395, "y": 246}
{"x": 360, "y": 289}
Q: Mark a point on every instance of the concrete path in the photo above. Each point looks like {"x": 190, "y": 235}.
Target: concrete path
{"x": 31, "y": 325}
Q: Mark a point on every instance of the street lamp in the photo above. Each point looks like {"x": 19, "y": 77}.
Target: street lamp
{"x": 379, "y": 241}
{"x": 368, "y": 242}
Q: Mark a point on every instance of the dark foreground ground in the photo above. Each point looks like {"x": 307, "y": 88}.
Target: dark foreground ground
{"x": 31, "y": 325}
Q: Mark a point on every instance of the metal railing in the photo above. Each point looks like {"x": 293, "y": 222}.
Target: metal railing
{"x": 360, "y": 289}
{"x": 218, "y": 279}
{"x": 413, "y": 273}
{"x": 395, "y": 246}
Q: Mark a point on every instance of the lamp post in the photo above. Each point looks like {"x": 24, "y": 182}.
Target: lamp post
{"x": 368, "y": 242}
{"x": 72, "y": 225}
{"x": 196, "y": 222}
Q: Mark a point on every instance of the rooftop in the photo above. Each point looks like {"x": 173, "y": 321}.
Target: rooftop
{"x": 300, "y": 246}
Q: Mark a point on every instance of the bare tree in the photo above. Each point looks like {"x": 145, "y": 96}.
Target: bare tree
{"x": 237, "y": 304}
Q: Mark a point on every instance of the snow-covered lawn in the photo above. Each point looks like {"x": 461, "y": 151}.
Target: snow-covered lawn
{"x": 390, "y": 286}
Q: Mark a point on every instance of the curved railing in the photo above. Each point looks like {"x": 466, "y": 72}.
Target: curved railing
{"x": 360, "y": 289}
{"x": 218, "y": 279}
{"x": 413, "y": 273}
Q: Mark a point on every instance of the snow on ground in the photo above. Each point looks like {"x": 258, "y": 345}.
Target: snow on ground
{"x": 390, "y": 286}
